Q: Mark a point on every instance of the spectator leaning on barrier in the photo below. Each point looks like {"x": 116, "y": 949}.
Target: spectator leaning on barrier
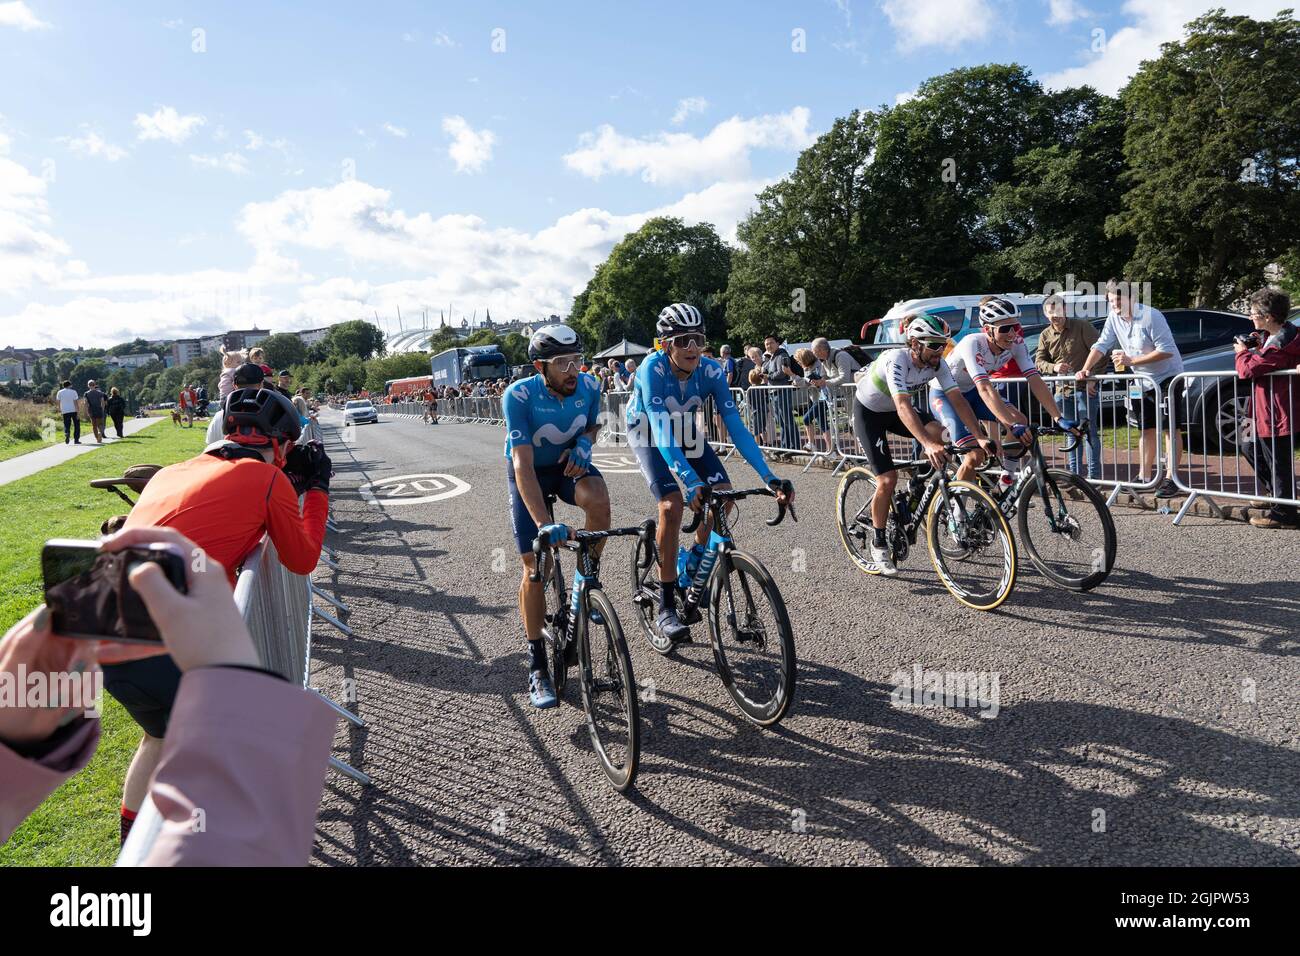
{"x": 67, "y": 399}
{"x": 224, "y": 500}
{"x": 1062, "y": 350}
{"x": 1138, "y": 339}
{"x": 247, "y": 375}
{"x": 247, "y": 749}
{"x": 95, "y": 399}
{"x": 1274, "y": 346}
{"x": 814, "y": 418}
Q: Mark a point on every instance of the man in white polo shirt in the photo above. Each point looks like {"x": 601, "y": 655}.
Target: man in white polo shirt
{"x": 1138, "y": 340}
{"x": 67, "y": 399}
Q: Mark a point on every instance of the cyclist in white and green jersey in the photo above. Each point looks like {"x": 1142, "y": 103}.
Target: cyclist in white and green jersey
{"x": 883, "y": 403}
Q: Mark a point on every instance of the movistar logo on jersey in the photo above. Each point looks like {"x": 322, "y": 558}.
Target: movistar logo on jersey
{"x": 551, "y": 434}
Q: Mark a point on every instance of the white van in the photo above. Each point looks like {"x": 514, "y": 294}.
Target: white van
{"x": 961, "y": 312}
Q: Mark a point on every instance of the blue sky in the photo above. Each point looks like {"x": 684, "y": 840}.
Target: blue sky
{"x": 172, "y": 169}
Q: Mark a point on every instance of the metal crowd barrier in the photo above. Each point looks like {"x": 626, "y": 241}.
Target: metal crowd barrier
{"x": 277, "y": 607}
{"x": 484, "y": 410}
{"x": 791, "y": 420}
{"x": 1117, "y": 443}
{"x": 1219, "y": 408}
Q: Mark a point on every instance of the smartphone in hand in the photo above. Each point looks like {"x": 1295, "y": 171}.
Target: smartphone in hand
{"x": 89, "y": 593}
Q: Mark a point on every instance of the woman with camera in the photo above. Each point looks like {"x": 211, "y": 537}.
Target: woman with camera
{"x": 1274, "y": 346}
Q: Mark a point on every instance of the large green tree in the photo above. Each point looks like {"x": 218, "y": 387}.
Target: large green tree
{"x": 662, "y": 262}
{"x": 283, "y": 350}
{"x": 358, "y": 338}
{"x": 1212, "y": 147}
{"x": 1049, "y": 220}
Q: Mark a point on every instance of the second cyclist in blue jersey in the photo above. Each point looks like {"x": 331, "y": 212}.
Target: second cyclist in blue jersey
{"x": 664, "y": 423}
{"x": 551, "y": 421}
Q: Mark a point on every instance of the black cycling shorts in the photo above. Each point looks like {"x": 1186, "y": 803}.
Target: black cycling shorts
{"x": 872, "y": 431}
{"x": 147, "y": 689}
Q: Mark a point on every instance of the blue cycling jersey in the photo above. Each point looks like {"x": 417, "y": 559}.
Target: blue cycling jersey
{"x": 534, "y": 416}
{"x": 660, "y": 401}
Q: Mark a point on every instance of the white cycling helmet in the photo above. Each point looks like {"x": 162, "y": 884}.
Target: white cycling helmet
{"x": 925, "y": 327}
{"x": 999, "y": 312}
{"x": 678, "y": 318}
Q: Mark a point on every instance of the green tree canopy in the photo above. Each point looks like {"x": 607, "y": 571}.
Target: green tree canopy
{"x": 358, "y": 339}
{"x": 283, "y": 350}
{"x": 662, "y": 262}
{"x": 1212, "y": 148}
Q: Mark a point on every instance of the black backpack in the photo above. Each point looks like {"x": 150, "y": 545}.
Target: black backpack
{"x": 858, "y": 354}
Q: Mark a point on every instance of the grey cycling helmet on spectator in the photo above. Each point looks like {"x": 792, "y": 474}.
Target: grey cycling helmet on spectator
{"x": 552, "y": 340}
{"x": 997, "y": 311}
{"x": 260, "y": 416}
{"x": 678, "y": 318}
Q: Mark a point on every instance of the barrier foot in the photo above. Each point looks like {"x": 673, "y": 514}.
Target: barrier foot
{"x": 332, "y": 565}
{"x": 352, "y": 772}
{"x": 327, "y": 597}
{"x": 1114, "y": 496}
{"x": 333, "y": 622}
{"x": 340, "y": 710}
{"x": 327, "y": 550}
{"x": 331, "y": 526}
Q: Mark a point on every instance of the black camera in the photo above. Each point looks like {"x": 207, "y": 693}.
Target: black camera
{"x": 1250, "y": 339}
{"x": 89, "y": 595}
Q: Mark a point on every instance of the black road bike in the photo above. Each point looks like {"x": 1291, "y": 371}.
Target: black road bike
{"x": 582, "y": 628}
{"x": 749, "y": 628}
{"x": 1062, "y": 520}
{"x": 969, "y": 539}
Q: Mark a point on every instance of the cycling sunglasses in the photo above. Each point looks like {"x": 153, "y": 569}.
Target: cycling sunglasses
{"x": 1014, "y": 329}
{"x": 688, "y": 339}
{"x": 565, "y": 363}
{"x": 935, "y": 346}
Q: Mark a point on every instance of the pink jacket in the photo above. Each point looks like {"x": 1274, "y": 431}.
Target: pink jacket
{"x": 240, "y": 778}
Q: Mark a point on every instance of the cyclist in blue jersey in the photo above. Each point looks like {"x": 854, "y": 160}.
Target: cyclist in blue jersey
{"x": 551, "y": 421}
{"x": 664, "y": 431}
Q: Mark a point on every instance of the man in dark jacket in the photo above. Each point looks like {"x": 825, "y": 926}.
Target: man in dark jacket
{"x": 1275, "y": 348}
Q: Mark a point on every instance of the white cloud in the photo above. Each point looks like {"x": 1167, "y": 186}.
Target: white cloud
{"x": 901, "y": 98}
{"x": 235, "y": 163}
{"x": 942, "y": 23}
{"x": 441, "y": 39}
{"x": 1154, "y": 22}
{"x": 166, "y": 123}
{"x": 173, "y": 24}
{"x": 1064, "y": 12}
{"x": 453, "y": 257}
{"x": 691, "y": 104}
{"x": 470, "y": 149}
{"x": 32, "y": 253}
{"x": 90, "y": 143}
{"x": 398, "y": 131}
{"x": 19, "y": 15}
{"x": 668, "y": 158}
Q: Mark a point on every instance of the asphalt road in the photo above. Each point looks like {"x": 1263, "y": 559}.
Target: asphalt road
{"x": 1152, "y": 721}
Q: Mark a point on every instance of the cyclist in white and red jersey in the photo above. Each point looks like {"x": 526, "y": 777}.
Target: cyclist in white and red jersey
{"x": 1000, "y": 341}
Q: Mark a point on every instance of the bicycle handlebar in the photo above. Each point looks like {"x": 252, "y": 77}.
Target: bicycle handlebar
{"x": 712, "y": 498}
{"x": 581, "y": 538}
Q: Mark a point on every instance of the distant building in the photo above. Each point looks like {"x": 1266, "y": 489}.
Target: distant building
{"x": 134, "y": 360}
{"x": 310, "y": 337}
{"x": 185, "y": 351}
{"x": 12, "y": 370}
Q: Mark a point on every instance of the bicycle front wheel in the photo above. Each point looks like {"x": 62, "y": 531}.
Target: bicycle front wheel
{"x": 1070, "y": 538}
{"x": 853, "y": 516}
{"x": 609, "y": 693}
{"x": 753, "y": 644}
{"x": 971, "y": 546}
{"x": 645, "y": 593}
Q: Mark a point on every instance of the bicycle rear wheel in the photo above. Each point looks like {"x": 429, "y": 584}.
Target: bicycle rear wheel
{"x": 753, "y": 644}
{"x": 645, "y": 593}
{"x": 1071, "y": 539}
{"x": 971, "y": 546}
{"x": 609, "y": 693}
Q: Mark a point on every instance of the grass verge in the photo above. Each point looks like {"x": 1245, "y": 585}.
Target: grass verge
{"x": 77, "y": 825}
